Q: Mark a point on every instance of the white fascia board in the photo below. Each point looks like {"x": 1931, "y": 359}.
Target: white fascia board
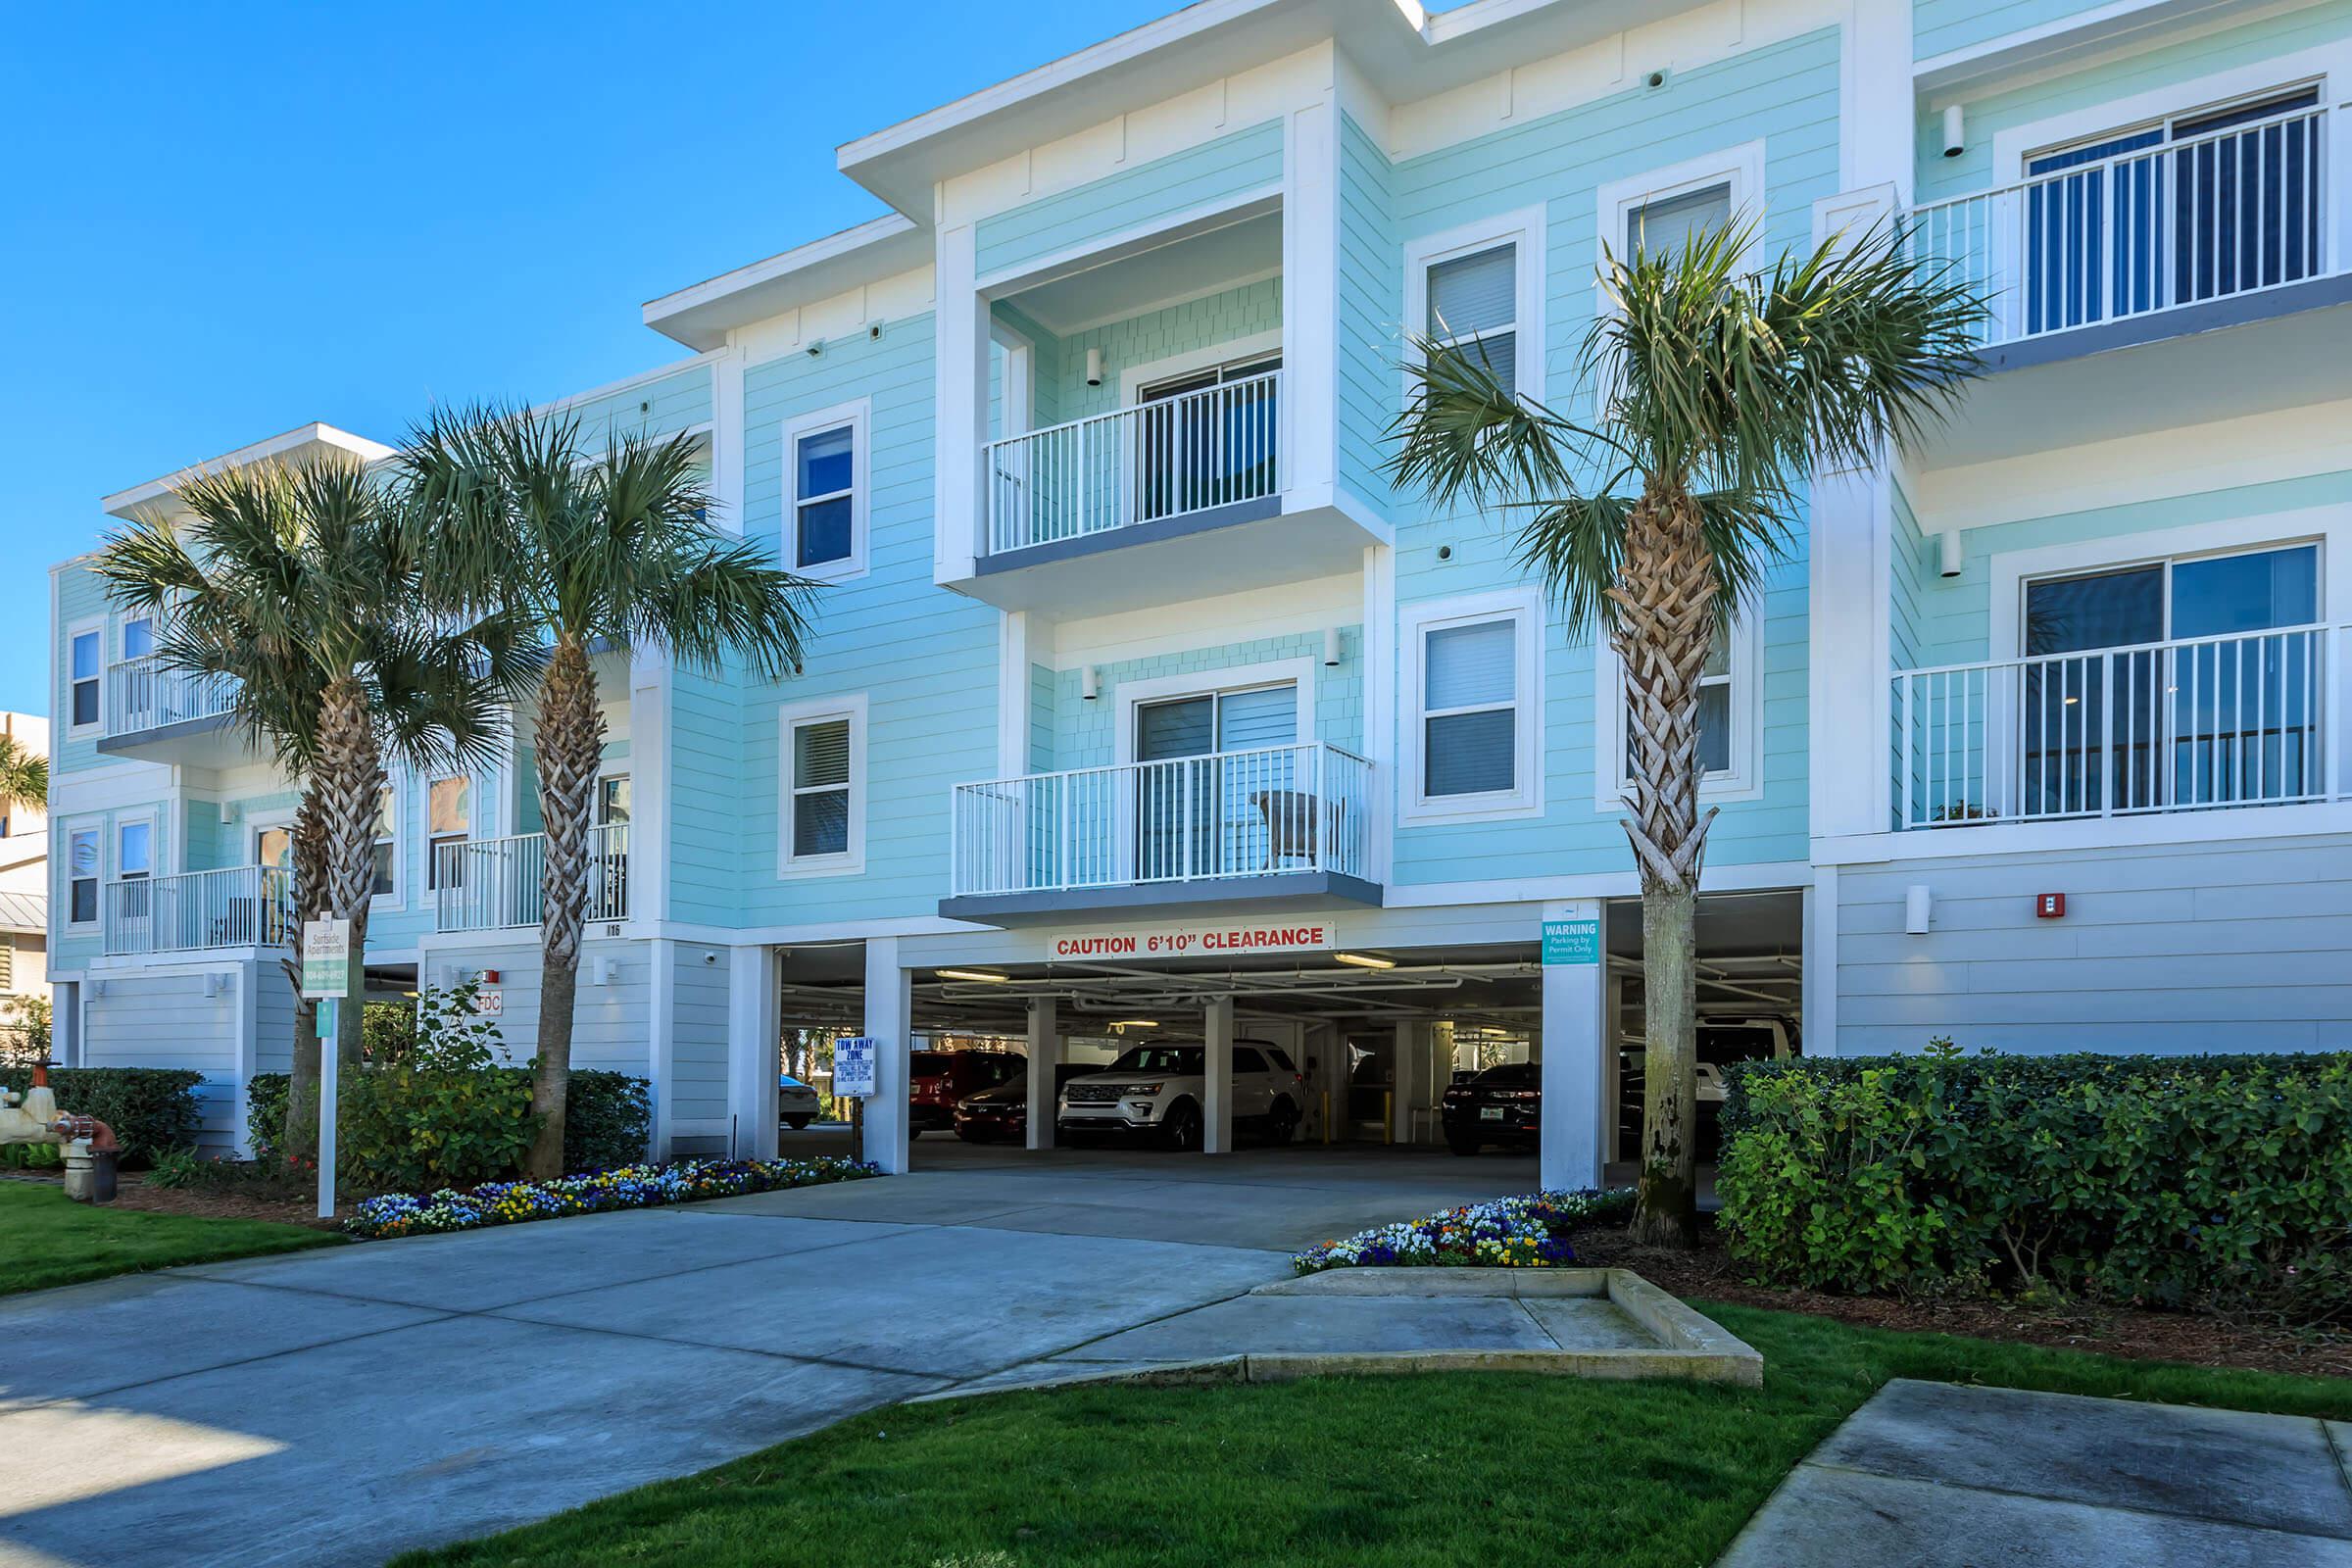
{"x": 701, "y": 315}
{"x": 305, "y": 440}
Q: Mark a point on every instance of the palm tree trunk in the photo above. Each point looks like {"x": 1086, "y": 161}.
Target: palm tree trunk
{"x": 570, "y": 740}
{"x": 350, "y": 782}
{"x": 309, "y": 892}
{"x": 1665, "y": 601}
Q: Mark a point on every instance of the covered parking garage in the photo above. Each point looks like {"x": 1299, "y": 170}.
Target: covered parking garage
{"x": 1377, "y": 1010}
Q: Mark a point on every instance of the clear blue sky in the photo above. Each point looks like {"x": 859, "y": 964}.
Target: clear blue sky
{"x": 223, "y": 222}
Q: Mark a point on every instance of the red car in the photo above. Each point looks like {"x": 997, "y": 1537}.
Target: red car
{"x": 941, "y": 1079}
{"x": 1003, "y": 1112}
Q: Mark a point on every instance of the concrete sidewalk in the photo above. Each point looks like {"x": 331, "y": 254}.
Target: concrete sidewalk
{"x": 1935, "y": 1475}
{"x": 343, "y": 1406}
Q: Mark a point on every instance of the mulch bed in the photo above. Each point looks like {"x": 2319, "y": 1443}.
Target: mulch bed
{"x": 295, "y": 1205}
{"x": 2194, "y": 1338}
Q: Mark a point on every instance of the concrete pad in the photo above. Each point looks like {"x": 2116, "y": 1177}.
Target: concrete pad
{"x": 951, "y": 1300}
{"x": 1587, "y": 1323}
{"x": 1272, "y": 1324}
{"x": 1261, "y": 1232}
{"x": 349, "y": 1454}
{"x": 109, "y": 1333}
{"x": 473, "y": 1271}
{"x": 2273, "y": 1472}
{"x": 1829, "y": 1518}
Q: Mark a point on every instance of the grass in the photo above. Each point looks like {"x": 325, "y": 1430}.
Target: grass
{"x": 1439, "y": 1470}
{"x": 55, "y": 1241}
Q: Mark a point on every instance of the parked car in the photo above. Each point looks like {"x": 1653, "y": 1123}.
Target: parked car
{"x": 939, "y": 1080}
{"x": 1500, "y": 1106}
{"x": 1003, "y": 1112}
{"x": 1160, "y": 1091}
{"x": 796, "y": 1105}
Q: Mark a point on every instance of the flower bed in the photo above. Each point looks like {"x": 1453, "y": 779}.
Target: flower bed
{"x": 628, "y": 1186}
{"x": 1526, "y": 1232}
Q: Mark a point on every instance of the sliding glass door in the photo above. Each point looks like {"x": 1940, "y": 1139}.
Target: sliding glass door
{"x": 1199, "y": 811}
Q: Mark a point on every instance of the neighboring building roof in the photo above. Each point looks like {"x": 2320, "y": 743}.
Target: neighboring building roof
{"x": 700, "y": 315}
{"x": 24, "y": 911}
{"x": 294, "y": 446}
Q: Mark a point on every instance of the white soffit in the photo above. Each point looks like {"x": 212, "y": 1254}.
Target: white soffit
{"x": 699, "y": 316}
{"x": 302, "y": 443}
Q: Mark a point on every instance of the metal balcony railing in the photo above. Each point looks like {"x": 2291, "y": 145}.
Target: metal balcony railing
{"x": 236, "y": 907}
{"x": 1164, "y": 459}
{"x": 2200, "y": 723}
{"x": 142, "y": 694}
{"x": 500, "y": 884}
{"x": 1227, "y": 814}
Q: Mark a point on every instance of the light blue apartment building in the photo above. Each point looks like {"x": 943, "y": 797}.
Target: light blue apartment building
{"x": 1142, "y": 705}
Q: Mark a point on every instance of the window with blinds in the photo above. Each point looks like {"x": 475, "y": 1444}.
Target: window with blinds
{"x": 821, "y": 789}
{"x": 1663, "y": 226}
{"x": 1473, "y": 309}
{"x": 1469, "y": 710}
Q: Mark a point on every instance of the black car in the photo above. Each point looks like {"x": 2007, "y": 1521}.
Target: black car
{"x": 1003, "y": 1112}
{"x": 1500, "y": 1106}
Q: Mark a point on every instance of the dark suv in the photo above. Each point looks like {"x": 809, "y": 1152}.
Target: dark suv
{"x": 1502, "y": 1106}
{"x": 939, "y": 1080}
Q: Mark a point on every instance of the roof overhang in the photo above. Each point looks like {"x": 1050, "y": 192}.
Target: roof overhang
{"x": 304, "y": 443}
{"x": 701, "y": 316}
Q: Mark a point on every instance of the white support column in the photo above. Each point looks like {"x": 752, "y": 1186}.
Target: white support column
{"x": 660, "y": 1046}
{"x": 1045, "y": 1054}
{"x": 1411, "y": 1079}
{"x": 1575, "y": 1040}
{"x": 1310, "y": 316}
{"x": 649, "y": 767}
{"x": 1216, "y": 1137}
{"x": 1818, "y": 979}
{"x": 755, "y": 1048}
{"x": 1851, "y": 528}
{"x": 960, "y": 404}
{"x": 889, "y": 1019}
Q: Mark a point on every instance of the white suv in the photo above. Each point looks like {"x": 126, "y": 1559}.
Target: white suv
{"x": 1159, "y": 1090}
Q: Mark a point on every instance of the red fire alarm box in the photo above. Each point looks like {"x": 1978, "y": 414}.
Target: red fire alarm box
{"x": 2049, "y": 906}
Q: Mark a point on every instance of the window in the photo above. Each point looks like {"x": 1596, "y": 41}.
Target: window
{"x": 87, "y": 655}
{"x": 1474, "y": 746}
{"x": 1729, "y": 718}
{"x": 1658, "y": 210}
{"x": 825, "y": 492}
{"x": 824, "y": 826}
{"x": 1477, "y": 291}
{"x": 138, "y": 638}
{"x": 274, "y": 847}
{"x": 448, "y": 818}
{"x": 1663, "y": 226}
{"x": 387, "y": 844}
{"x": 134, "y": 850}
{"x": 1714, "y": 713}
{"x": 81, "y": 876}
{"x": 613, "y": 801}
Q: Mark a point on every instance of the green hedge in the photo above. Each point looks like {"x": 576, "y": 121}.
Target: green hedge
{"x": 150, "y": 1108}
{"x": 2205, "y": 1182}
{"x": 608, "y": 1117}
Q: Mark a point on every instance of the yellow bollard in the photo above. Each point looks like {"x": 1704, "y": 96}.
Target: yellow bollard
{"x": 1326, "y": 1118}
{"x": 1388, "y": 1117}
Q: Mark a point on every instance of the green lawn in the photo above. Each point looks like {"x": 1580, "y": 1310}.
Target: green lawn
{"x": 1441, "y": 1470}
{"x": 46, "y": 1240}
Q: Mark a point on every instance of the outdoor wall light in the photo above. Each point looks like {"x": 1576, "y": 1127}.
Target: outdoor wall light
{"x": 1094, "y": 367}
{"x": 1947, "y": 551}
{"x": 603, "y": 971}
{"x": 1955, "y": 142}
{"x": 1918, "y": 908}
{"x": 1088, "y": 683}
{"x": 981, "y": 976}
{"x": 1331, "y": 646}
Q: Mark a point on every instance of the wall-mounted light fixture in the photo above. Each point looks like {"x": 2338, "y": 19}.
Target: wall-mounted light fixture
{"x": 1094, "y": 367}
{"x": 1955, "y": 138}
{"x": 603, "y": 971}
{"x": 1948, "y": 553}
{"x": 1919, "y": 906}
{"x": 1331, "y": 646}
{"x": 1088, "y": 683}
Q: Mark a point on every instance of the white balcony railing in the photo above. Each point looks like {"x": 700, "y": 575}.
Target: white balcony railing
{"x": 142, "y": 694}
{"x": 499, "y": 884}
{"x": 237, "y": 906}
{"x": 1227, "y": 814}
{"x": 2201, "y": 723}
{"x": 2154, "y": 229}
{"x": 1164, "y": 459}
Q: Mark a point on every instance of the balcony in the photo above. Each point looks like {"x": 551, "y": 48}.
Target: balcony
{"x": 198, "y": 911}
{"x": 1283, "y": 824}
{"x": 2160, "y": 241}
{"x": 158, "y": 715}
{"x": 500, "y": 884}
{"x": 2198, "y": 724}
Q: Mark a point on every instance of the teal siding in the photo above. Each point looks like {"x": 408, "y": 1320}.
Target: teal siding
{"x": 1371, "y": 305}
{"x": 1165, "y": 187}
{"x": 1041, "y": 713}
{"x": 1939, "y": 27}
{"x": 1786, "y": 94}
{"x": 660, "y": 407}
{"x": 2315, "y": 27}
{"x": 1226, "y": 316}
{"x": 1084, "y": 731}
{"x": 1044, "y": 353}
{"x": 80, "y": 597}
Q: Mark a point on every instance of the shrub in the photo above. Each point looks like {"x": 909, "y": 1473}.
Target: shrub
{"x": 150, "y": 1108}
{"x": 25, "y": 1023}
{"x": 440, "y": 1112}
{"x": 2205, "y": 1182}
{"x": 607, "y": 1120}
{"x": 265, "y": 1112}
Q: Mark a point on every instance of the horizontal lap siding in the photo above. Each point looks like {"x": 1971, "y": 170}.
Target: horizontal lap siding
{"x": 160, "y": 1020}
{"x": 1133, "y": 199}
{"x": 1787, "y": 95}
{"x": 1939, "y": 27}
{"x": 698, "y": 1089}
{"x": 1192, "y": 328}
{"x": 1371, "y": 305}
{"x": 661, "y": 406}
{"x": 1085, "y": 731}
{"x": 2232, "y": 946}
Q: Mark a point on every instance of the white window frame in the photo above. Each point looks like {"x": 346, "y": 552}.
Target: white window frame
{"x": 95, "y": 826}
{"x": 1524, "y": 607}
{"x": 425, "y": 816}
{"x": 851, "y": 861}
{"x": 1137, "y": 694}
{"x": 2330, "y": 64}
{"x": 280, "y": 821}
{"x": 397, "y": 898}
{"x": 1524, "y": 229}
{"x": 1741, "y": 167}
{"x": 95, "y": 626}
{"x": 153, "y": 822}
{"x": 858, "y": 415}
{"x": 1744, "y": 780}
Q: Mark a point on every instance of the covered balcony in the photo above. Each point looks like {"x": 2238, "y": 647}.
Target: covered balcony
{"x": 500, "y": 884}
{"x": 197, "y": 912}
{"x": 1265, "y": 826}
{"x": 157, "y": 714}
{"x": 2193, "y": 724}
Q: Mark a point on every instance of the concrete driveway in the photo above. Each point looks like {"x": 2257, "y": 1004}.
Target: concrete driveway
{"x": 344, "y": 1405}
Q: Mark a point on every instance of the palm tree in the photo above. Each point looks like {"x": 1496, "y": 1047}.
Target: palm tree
{"x": 1717, "y": 390}
{"x": 606, "y": 549}
{"x": 300, "y": 588}
{"x": 24, "y": 777}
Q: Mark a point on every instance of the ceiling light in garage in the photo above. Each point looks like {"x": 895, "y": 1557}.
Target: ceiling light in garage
{"x": 1365, "y": 960}
{"x": 1135, "y": 1023}
{"x": 981, "y": 975}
